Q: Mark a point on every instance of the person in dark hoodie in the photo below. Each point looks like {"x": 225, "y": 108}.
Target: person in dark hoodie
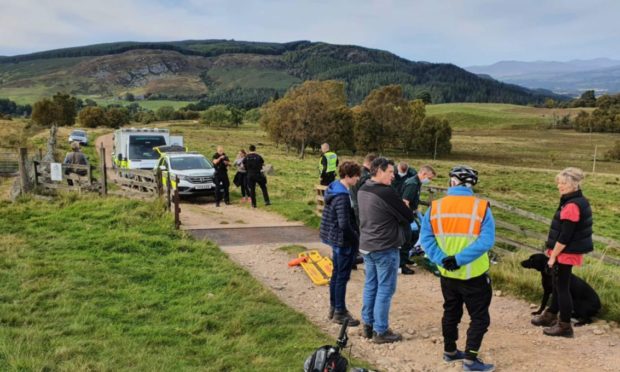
{"x": 339, "y": 230}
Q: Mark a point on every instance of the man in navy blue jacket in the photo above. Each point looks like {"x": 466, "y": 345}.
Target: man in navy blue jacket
{"x": 339, "y": 230}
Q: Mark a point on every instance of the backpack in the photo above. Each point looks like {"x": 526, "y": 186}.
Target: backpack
{"x": 326, "y": 359}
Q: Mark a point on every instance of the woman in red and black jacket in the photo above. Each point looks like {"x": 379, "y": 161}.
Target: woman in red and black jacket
{"x": 570, "y": 237}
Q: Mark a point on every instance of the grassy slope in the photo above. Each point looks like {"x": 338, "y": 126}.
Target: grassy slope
{"x": 107, "y": 284}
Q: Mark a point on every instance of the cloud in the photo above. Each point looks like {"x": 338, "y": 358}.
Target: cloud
{"x": 462, "y": 32}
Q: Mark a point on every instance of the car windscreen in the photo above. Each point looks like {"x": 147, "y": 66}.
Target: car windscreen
{"x": 78, "y": 133}
{"x": 189, "y": 162}
{"x": 141, "y": 146}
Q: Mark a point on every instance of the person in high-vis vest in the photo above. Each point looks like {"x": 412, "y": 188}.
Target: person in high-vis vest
{"x": 328, "y": 165}
{"x": 457, "y": 232}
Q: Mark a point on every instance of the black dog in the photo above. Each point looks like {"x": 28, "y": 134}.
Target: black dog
{"x": 586, "y": 302}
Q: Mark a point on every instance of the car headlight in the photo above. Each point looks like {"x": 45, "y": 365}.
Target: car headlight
{"x": 181, "y": 177}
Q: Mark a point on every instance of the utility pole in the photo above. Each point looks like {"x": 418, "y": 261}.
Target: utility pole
{"x": 435, "y": 152}
{"x": 594, "y": 161}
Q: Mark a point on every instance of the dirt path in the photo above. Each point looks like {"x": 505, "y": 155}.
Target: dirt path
{"x": 512, "y": 343}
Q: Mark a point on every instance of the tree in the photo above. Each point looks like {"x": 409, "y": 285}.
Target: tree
{"x": 307, "y": 115}
{"x": 67, "y": 108}
{"x": 252, "y": 115}
{"x": 165, "y": 113}
{"x": 425, "y": 97}
{"x": 117, "y": 117}
{"x": 390, "y": 112}
{"x": 433, "y": 137}
{"x": 217, "y": 115}
{"x": 45, "y": 112}
{"x": 236, "y": 116}
{"x": 92, "y": 117}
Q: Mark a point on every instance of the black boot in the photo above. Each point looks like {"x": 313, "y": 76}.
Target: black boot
{"x": 366, "y": 331}
{"x": 340, "y": 316}
{"x": 386, "y": 337}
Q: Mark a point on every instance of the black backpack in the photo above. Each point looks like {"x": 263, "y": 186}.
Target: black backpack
{"x": 327, "y": 358}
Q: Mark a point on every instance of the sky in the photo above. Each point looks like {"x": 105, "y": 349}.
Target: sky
{"x": 463, "y": 32}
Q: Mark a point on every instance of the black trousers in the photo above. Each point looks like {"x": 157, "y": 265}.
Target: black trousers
{"x": 262, "y": 182}
{"x": 328, "y": 178}
{"x": 561, "y": 299}
{"x": 222, "y": 184}
{"x": 476, "y": 294}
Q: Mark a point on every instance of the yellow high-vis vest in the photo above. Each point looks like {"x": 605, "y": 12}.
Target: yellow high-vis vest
{"x": 456, "y": 221}
{"x": 332, "y": 161}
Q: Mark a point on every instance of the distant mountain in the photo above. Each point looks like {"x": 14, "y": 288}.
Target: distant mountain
{"x": 573, "y": 77}
{"x": 239, "y": 72}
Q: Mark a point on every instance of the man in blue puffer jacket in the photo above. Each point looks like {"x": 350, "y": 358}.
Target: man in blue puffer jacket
{"x": 339, "y": 230}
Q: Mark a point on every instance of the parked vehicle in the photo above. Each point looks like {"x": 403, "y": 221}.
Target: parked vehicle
{"x": 135, "y": 148}
{"x": 80, "y": 136}
{"x": 194, "y": 170}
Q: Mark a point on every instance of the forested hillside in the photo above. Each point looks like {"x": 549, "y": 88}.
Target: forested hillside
{"x": 245, "y": 74}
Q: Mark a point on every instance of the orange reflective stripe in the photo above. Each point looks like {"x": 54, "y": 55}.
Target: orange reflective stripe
{"x": 460, "y": 215}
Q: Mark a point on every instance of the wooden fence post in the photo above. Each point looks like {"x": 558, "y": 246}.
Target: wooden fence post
{"x": 23, "y": 172}
{"x": 104, "y": 175}
{"x": 35, "y": 165}
{"x": 177, "y": 207}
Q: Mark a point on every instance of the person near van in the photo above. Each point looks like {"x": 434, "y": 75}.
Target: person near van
{"x": 222, "y": 183}
{"x": 253, "y": 164}
{"x": 240, "y": 179}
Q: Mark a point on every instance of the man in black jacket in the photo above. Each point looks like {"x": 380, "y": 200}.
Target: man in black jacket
{"x": 339, "y": 230}
{"x": 365, "y": 176}
{"x": 253, "y": 164}
{"x": 222, "y": 183}
{"x": 385, "y": 221}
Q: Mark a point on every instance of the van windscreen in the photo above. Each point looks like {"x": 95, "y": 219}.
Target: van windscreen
{"x": 141, "y": 146}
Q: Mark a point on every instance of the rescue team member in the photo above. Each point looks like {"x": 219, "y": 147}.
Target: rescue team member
{"x": 339, "y": 231}
{"x": 383, "y": 216}
{"x": 457, "y": 232}
{"x": 403, "y": 173}
{"x": 328, "y": 164}
{"x": 253, "y": 164}
{"x": 570, "y": 237}
{"x": 222, "y": 184}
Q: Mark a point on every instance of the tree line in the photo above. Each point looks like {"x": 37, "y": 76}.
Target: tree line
{"x": 317, "y": 111}
{"x": 9, "y": 109}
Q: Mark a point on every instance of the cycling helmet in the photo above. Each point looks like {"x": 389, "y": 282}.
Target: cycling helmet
{"x": 465, "y": 174}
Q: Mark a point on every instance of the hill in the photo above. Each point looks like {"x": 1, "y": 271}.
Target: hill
{"x": 238, "y": 72}
{"x": 573, "y": 77}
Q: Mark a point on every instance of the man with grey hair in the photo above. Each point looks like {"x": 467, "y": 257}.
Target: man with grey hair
{"x": 328, "y": 165}
{"x": 383, "y": 218}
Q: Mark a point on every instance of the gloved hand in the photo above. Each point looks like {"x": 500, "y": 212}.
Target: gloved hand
{"x": 449, "y": 263}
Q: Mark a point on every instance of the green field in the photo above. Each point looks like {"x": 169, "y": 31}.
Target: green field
{"x": 108, "y": 284}
{"x": 496, "y": 115}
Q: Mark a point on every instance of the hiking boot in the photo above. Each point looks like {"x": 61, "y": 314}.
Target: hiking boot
{"x": 405, "y": 270}
{"x": 546, "y": 319}
{"x": 559, "y": 329}
{"x": 330, "y": 314}
{"x": 477, "y": 365}
{"x": 366, "y": 330}
{"x": 341, "y": 316}
{"x": 455, "y": 356}
{"x": 386, "y": 337}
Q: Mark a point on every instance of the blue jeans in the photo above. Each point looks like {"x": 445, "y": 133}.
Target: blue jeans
{"x": 381, "y": 271}
{"x": 343, "y": 258}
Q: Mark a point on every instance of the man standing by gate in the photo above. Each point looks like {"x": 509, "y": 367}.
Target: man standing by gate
{"x": 328, "y": 164}
{"x": 457, "y": 232}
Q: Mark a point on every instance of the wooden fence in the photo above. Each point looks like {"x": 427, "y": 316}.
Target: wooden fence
{"x": 36, "y": 175}
{"x": 9, "y": 164}
{"x": 515, "y": 231}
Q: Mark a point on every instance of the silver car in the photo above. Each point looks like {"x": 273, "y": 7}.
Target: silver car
{"x": 80, "y": 136}
{"x": 195, "y": 172}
